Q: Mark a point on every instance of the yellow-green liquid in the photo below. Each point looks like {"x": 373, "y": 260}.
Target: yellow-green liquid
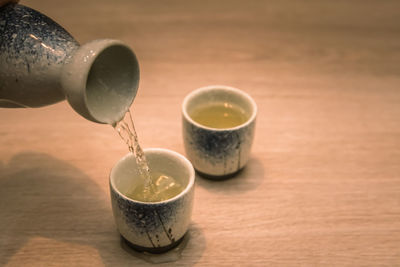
{"x": 151, "y": 186}
{"x": 165, "y": 187}
{"x": 219, "y": 115}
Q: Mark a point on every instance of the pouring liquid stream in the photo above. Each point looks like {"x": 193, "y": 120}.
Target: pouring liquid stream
{"x": 154, "y": 186}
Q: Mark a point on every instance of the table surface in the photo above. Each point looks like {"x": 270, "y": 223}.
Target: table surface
{"x": 322, "y": 186}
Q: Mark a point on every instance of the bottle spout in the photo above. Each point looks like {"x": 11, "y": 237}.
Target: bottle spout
{"x": 101, "y": 79}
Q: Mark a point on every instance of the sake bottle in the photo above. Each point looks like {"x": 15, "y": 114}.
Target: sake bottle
{"x": 42, "y": 64}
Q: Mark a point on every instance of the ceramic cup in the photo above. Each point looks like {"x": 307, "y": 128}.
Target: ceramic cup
{"x": 218, "y": 153}
{"x": 152, "y": 226}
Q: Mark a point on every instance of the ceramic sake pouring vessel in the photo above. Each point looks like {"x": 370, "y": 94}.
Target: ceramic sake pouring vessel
{"x": 41, "y": 64}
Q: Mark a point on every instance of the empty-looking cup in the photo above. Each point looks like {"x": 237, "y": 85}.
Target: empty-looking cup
{"x": 218, "y": 129}
{"x": 152, "y": 226}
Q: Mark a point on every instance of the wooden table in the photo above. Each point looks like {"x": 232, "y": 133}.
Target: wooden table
{"x": 322, "y": 187}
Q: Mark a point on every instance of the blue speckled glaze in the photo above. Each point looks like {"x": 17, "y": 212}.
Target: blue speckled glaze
{"x": 215, "y": 143}
{"x": 33, "y": 49}
{"x": 218, "y": 153}
{"x": 22, "y": 27}
{"x": 152, "y": 225}
{"x": 227, "y": 150}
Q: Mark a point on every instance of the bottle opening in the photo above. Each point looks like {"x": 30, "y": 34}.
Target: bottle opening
{"x": 101, "y": 79}
{"x": 112, "y": 83}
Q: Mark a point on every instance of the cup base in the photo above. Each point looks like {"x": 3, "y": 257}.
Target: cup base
{"x": 153, "y": 250}
{"x": 219, "y": 177}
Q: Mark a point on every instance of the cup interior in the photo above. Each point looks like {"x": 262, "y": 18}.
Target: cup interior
{"x": 214, "y": 94}
{"x": 125, "y": 175}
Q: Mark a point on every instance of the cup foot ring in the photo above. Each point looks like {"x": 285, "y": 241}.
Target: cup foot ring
{"x": 219, "y": 177}
{"x": 153, "y": 250}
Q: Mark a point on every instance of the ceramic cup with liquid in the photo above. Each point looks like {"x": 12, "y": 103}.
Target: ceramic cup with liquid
{"x": 218, "y": 129}
{"x": 153, "y": 227}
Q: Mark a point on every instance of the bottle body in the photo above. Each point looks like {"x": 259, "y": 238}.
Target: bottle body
{"x": 33, "y": 50}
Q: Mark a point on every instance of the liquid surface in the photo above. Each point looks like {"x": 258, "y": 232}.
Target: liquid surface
{"x": 153, "y": 186}
{"x": 166, "y": 187}
{"x": 219, "y": 115}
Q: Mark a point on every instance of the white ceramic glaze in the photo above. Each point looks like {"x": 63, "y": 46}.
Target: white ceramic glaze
{"x": 101, "y": 80}
{"x": 218, "y": 153}
{"x": 41, "y": 64}
{"x": 147, "y": 226}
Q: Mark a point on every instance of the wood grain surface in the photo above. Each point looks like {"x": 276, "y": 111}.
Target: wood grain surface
{"x": 322, "y": 187}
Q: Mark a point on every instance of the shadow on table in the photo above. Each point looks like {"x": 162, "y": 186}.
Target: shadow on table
{"x": 41, "y": 196}
{"x": 248, "y": 179}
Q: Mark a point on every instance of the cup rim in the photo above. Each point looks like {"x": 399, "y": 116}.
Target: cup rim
{"x": 183, "y": 159}
{"x": 76, "y": 72}
{"x": 204, "y": 89}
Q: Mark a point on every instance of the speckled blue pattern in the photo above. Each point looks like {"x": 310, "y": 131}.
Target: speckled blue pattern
{"x": 226, "y": 148}
{"x": 154, "y": 223}
{"x": 215, "y": 144}
{"x": 33, "y": 49}
{"x": 22, "y": 29}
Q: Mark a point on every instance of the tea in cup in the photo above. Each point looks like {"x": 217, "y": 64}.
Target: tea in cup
{"x": 218, "y": 129}
{"x": 158, "y": 226}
